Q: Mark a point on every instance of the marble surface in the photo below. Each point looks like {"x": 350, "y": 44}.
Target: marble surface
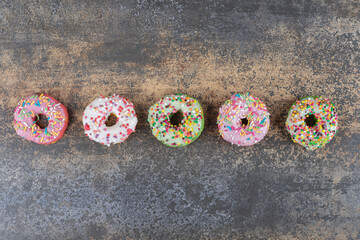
{"x": 277, "y": 50}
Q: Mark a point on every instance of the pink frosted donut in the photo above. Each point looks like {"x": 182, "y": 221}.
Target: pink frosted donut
{"x": 41, "y": 119}
{"x": 243, "y": 120}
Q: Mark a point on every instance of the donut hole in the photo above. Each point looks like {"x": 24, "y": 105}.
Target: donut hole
{"x": 244, "y": 122}
{"x": 311, "y": 120}
{"x": 176, "y": 118}
{"x": 42, "y": 121}
{"x": 111, "y": 120}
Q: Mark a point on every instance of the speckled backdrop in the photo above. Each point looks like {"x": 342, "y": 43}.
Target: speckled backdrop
{"x": 276, "y": 50}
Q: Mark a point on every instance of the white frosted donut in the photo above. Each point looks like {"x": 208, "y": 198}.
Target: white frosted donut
{"x": 97, "y": 113}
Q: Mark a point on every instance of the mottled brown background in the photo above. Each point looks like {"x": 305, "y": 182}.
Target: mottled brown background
{"x": 277, "y": 50}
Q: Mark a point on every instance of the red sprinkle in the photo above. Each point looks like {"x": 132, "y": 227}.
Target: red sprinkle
{"x": 129, "y": 131}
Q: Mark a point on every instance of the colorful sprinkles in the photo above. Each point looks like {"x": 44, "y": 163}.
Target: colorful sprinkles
{"x": 243, "y": 120}
{"x": 184, "y": 133}
{"x": 27, "y": 113}
{"x": 321, "y": 131}
{"x": 97, "y": 113}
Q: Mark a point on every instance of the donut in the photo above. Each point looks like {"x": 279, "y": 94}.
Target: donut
{"x": 312, "y": 122}
{"x": 176, "y": 120}
{"x": 243, "y": 120}
{"x": 109, "y": 120}
{"x": 40, "y": 119}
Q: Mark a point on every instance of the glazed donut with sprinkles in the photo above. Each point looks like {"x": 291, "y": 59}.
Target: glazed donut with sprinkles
{"x": 176, "y": 120}
{"x": 109, "y": 120}
{"x": 312, "y": 122}
{"x": 243, "y": 120}
{"x": 40, "y": 119}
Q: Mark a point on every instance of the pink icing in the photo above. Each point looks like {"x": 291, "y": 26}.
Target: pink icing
{"x": 27, "y": 111}
{"x": 240, "y": 107}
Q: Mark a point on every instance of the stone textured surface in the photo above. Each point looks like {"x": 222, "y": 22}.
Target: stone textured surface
{"x": 277, "y": 50}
